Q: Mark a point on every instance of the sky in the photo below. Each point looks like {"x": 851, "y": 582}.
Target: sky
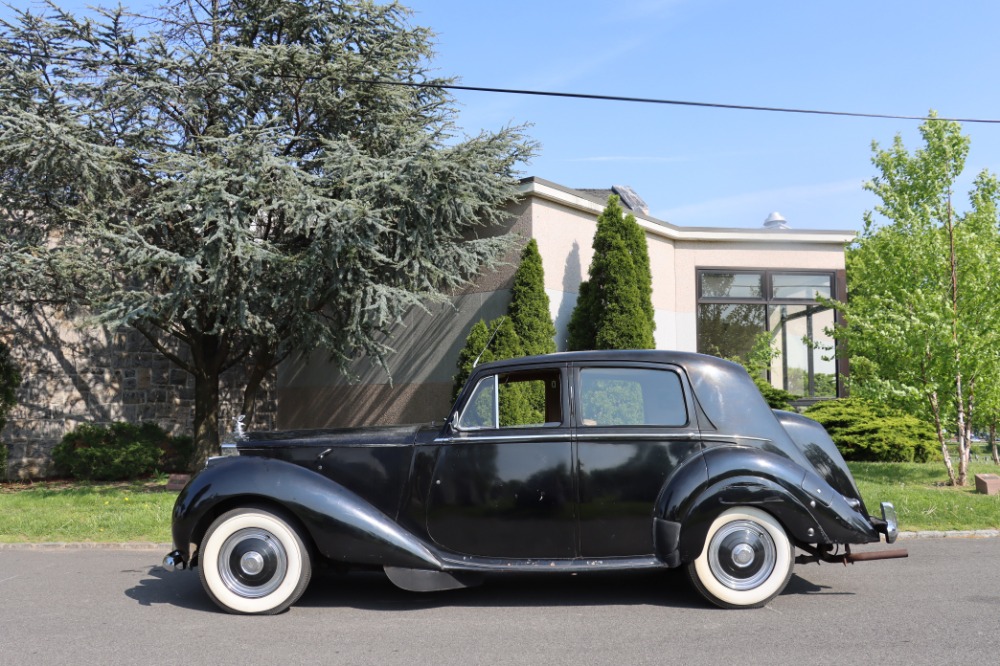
{"x": 705, "y": 167}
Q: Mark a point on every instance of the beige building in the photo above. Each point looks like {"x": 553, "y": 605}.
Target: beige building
{"x": 714, "y": 291}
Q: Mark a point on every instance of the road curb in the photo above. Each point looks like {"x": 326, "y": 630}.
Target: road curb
{"x": 143, "y": 545}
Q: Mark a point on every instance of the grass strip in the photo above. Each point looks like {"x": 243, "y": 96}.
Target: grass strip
{"x": 100, "y": 513}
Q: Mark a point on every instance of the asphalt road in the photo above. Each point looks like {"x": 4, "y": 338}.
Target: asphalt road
{"x": 940, "y": 606}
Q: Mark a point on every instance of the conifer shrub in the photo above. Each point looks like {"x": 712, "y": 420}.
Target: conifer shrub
{"x": 10, "y": 379}
{"x": 869, "y": 432}
{"x": 614, "y": 308}
{"x": 120, "y": 451}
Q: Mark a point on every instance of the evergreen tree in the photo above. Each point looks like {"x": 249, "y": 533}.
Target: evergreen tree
{"x": 232, "y": 180}
{"x": 529, "y": 304}
{"x": 614, "y": 307}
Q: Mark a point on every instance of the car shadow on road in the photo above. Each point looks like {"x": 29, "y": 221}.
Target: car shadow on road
{"x": 374, "y": 591}
{"x": 176, "y": 588}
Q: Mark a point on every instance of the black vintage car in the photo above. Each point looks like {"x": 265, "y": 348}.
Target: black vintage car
{"x": 569, "y": 462}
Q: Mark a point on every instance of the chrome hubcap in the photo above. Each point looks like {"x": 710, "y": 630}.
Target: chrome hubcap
{"x": 252, "y": 563}
{"x": 742, "y": 555}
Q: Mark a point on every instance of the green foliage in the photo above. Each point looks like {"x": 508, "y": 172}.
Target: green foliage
{"x": 614, "y": 308}
{"x": 529, "y": 304}
{"x": 527, "y": 331}
{"x": 865, "y": 431}
{"x": 120, "y": 451}
{"x": 10, "y": 379}
{"x": 228, "y": 179}
{"x": 922, "y": 315}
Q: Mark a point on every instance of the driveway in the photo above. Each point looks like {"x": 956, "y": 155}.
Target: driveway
{"x": 940, "y": 606}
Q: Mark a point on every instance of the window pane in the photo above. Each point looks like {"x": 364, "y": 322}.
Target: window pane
{"x": 806, "y": 366}
{"x": 479, "y": 411}
{"x": 800, "y": 287}
{"x": 732, "y": 285}
{"x": 618, "y": 397}
{"x": 729, "y": 329}
{"x": 525, "y": 399}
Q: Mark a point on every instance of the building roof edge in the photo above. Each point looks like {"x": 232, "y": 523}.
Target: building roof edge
{"x": 567, "y": 196}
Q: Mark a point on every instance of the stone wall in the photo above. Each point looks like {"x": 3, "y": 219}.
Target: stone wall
{"x": 73, "y": 375}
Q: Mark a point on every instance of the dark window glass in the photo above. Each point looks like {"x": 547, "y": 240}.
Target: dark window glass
{"x": 729, "y": 329}
{"x": 806, "y": 365}
{"x": 514, "y": 399}
{"x": 800, "y": 287}
{"x": 631, "y": 396}
{"x": 732, "y": 285}
{"x": 728, "y": 325}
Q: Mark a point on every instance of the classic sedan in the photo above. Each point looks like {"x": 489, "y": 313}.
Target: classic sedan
{"x": 571, "y": 462}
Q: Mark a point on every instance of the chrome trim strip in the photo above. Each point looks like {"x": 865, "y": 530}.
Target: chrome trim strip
{"x": 639, "y": 435}
{"x": 505, "y": 438}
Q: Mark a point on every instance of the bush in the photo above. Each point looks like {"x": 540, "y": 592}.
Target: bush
{"x": 120, "y": 451}
{"x": 865, "y": 431}
{"x": 10, "y": 379}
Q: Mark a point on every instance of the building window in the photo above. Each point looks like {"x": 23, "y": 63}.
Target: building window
{"x": 735, "y": 306}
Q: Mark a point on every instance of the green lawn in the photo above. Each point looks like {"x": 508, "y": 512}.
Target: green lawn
{"x": 44, "y": 512}
{"x": 922, "y": 500}
{"x": 140, "y": 511}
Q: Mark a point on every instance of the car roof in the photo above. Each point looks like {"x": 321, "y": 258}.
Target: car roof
{"x": 685, "y": 359}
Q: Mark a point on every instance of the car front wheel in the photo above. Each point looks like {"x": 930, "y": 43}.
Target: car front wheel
{"x": 253, "y": 561}
{"x": 747, "y": 559}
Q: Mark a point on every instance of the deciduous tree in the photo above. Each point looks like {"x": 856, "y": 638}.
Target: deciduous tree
{"x": 923, "y": 315}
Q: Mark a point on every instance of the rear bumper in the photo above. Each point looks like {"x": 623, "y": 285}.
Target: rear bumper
{"x": 887, "y": 524}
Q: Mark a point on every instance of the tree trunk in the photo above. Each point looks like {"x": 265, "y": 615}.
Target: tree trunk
{"x": 206, "y": 355}
{"x": 960, "y": 433}
{"x": 936, "y": 410}
{"x": 993, "y": 443}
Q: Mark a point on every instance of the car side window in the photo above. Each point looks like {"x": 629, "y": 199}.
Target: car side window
{"x": 531, "y": 398}
{"x": 631, "y": 396}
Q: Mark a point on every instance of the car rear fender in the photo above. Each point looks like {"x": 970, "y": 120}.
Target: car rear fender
{"x": 343, "y": 526}
{"x": 809, "y": 509}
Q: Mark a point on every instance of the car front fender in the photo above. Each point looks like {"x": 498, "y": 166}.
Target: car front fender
{"x": 343, "y": 526}
{"x": 809, "y": 509}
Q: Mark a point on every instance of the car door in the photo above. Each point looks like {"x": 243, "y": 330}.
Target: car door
{"x": 634, "y": 426}
{"x": 502, "y": 486}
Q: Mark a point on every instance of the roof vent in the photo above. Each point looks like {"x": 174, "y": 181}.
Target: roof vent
{"x": 775, "y": 221}
{"x": 632, "y": 200}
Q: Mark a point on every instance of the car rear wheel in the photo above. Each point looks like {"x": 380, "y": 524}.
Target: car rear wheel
{"x": 254, "y": 562}
{"x": 747, "y": 559}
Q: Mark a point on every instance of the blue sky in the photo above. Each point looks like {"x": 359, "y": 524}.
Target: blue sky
{"x": 715, "y": 167}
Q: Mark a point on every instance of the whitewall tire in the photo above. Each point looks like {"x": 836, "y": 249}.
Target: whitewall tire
{"x": 253, "y": 561}
{"x": 747, "y": 559}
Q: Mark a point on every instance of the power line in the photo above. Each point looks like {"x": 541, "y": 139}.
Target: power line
{"x": 587, "y": 96}
{"x": 674, "y": 102}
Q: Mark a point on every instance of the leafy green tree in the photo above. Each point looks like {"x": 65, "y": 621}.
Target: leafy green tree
{"x": 529, "y": 304}
{"x": 614, "y": 308}
{"x": 922, "y": 317}
{"x": 240, "y": 179}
